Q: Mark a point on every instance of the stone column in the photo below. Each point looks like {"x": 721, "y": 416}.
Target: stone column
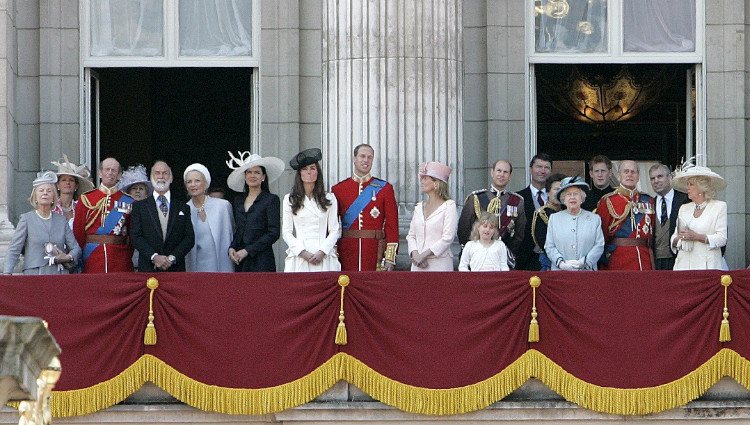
{"x": 392, "y": 78}
{"x": 6, "y": 126}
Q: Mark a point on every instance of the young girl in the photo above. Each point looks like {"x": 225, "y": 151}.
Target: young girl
{"x": 484, "y": 252}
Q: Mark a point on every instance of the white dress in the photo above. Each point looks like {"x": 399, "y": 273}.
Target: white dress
{"x": 313, "y": 230}
{"x": 478, "y": 258}
{"x": 435, "y": 233}
{"x": 696, "y": 255}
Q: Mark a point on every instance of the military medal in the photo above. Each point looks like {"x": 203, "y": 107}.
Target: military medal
{"x": 374, "y": 212}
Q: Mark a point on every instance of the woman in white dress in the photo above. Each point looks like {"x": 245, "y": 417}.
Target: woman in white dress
{"x": 213, "y": 224}
{"x": 701, "y": 228}
{"x": 434, "y": 223}
{"x": 44, "y": 238}
{"x": 310, "y": 224}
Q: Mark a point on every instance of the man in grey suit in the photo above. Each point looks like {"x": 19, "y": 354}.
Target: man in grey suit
{"x": 668, "y": 202}
{"x": 162, "y": 231}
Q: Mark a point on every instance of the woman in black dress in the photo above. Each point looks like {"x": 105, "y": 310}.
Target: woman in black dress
{"x": 257, "y": 214}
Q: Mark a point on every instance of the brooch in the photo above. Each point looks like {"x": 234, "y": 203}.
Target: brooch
{"x": 374, "y": 212}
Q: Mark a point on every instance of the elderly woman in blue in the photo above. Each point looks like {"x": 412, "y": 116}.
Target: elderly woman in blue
{"x": 574, "y": 236}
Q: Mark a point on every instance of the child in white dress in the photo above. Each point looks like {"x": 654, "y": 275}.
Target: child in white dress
{"x": 484, "y": 252}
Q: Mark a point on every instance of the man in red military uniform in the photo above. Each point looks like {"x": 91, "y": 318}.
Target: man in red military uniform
{"x": 101, "y": 224}
{"x": 627, "y": 224}
{"x": 369, "y": 217}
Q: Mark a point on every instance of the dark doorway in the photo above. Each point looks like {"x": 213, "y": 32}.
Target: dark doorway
{"x": 656, "y": 131}
{"x": 179, "y": 115}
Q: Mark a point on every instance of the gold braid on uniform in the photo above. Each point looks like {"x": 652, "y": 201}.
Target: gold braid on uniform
{"x": 539, "y": 213}
{"x": 390, "y": 252}
{"x": 617, "y": 218}
{"x": 100, "y": 207}
{"x": 494, "y": 206}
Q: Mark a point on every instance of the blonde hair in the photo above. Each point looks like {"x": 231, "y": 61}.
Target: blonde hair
{"x": 487, "y": 218}
{"x": 442, "y": 190}
{"x": 705, "y": 186}
{"x": 32, "y": 197}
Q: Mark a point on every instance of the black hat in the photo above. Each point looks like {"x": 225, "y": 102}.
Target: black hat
{"x": 305, "y": 158}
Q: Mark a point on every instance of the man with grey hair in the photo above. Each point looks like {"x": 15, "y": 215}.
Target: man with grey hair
{"x": 668, "y": 202}
{"x": 162, "y": 229}
{"x": 102, "y": 219}
{"x": 627, "y": 223}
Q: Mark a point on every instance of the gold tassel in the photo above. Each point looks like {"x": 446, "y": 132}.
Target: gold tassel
{"x": 341, "y": 328}
{"x": 724, "y": 334}
{"x": 149, "y": 338}
{"x": 534, "y": 281}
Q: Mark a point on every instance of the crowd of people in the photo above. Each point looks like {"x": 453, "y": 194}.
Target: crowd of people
{"x": 131, "y": 221}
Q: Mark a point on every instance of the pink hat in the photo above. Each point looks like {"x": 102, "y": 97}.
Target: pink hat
{"x": 435, "y": 170}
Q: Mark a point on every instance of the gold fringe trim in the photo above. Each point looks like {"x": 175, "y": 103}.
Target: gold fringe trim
{"x": 639, "y": 401}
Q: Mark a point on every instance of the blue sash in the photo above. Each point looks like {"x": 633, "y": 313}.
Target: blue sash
{"x": 359, "y": 204}
{"x": 110, "y": 222}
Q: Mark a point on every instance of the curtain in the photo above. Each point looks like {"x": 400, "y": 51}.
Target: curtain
{"x": 216, "y": 27}
{"x": 571, "y": 26}
{"x": 127, "y": 28}
{"x": 659, "y": 26}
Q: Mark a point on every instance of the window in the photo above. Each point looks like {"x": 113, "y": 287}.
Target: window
{"x": 170, "y": 32}
{"x": 615, "y": 30}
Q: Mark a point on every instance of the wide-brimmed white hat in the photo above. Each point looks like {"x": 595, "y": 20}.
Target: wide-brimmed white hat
{"x": 80, "y": 172}
{"x": 236, "y": 181}
{"x": 133, "y": 175}
{"x": 681, "y": 176}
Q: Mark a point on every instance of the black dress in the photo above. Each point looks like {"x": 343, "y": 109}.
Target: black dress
{"x": 257, "y": 229}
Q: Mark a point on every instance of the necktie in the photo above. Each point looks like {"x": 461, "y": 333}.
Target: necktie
{"x": 663, "y": 218}
{"x": 163, "y": 205}
{"x": 539, "y": 199}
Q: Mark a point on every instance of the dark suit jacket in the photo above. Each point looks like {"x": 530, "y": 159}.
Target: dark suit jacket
{"x": 527, "y": 259}
{"x": 146, "y": 234}
{"x": 678, "y": 200}
{"x": 256, "y": 231}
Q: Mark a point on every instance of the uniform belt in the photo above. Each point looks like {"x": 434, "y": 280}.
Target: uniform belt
{"x": 108, "y": 239}
{"x": 363, "y": 234}
{"x": 630, "y": 242}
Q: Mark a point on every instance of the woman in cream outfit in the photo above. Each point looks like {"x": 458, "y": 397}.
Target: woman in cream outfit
{"x": 310, "y": 223}
{"x": 433, "y": 226}
{"x": 701, "y": 228}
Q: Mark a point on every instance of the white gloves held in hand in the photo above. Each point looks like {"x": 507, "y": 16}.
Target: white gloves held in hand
{"x": 571, "y": 265}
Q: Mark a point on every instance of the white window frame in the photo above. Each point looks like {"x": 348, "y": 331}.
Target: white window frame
{"x": 171, "y": 57}
{"x": 616, "y": 55}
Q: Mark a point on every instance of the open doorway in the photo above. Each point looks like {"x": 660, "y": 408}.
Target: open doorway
{"x": 644, "y": 112}
{"x": 179, "y": 115}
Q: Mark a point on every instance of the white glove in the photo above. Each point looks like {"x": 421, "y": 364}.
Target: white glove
{"x": 567, "y": 266}
{"x": 578, "y": 264}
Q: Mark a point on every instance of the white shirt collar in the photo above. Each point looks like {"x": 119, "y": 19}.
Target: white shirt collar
{"x": 167, "y": 195}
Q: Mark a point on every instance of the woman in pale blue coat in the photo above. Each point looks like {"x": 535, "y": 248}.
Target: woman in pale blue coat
{"x": 574, "y": 236}
{"x": 213, "y": 224}
{"x": 45, "y": 238}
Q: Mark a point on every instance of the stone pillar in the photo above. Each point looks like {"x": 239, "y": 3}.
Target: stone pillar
{"x": 7, "y": 81}
{"x": 392, "y": 78}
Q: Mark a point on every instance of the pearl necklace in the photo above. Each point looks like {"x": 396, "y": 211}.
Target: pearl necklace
{"x": 43, "y": 217}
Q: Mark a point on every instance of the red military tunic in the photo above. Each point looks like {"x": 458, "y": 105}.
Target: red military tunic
{"x": 627, "y": 224}
{"x": 381, "y": 214}
{"x": 105, "y": 246}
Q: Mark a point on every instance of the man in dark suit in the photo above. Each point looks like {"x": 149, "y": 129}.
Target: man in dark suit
{"x": 668, "y": 202}
{"x": 161, "y": 228}
{"x": 534, "y": 197}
